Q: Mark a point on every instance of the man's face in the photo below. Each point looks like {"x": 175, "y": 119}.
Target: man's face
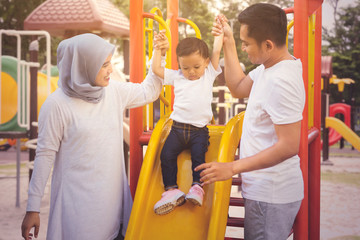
{"x": 256, "y": 53}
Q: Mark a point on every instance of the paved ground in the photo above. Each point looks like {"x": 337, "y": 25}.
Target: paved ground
{"x": 340, "y": 197}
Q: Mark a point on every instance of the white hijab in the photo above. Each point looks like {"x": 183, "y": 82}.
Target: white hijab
{"x": 79, "y": 60}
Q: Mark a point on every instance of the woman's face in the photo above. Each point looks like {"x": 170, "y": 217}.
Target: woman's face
{"x": 103, "y": 76}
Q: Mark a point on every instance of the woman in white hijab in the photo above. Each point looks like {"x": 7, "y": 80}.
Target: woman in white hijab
{"x": 81, "y": 137}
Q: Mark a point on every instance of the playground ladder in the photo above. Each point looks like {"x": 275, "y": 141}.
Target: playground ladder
{"x": 236, "y": 202}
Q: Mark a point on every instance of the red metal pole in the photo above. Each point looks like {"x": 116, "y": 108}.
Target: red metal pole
{"x": 173, "y": 14}
{"x": 301, "y": 26}
{"x": 315, "y": 146}
{"x": 136, "y": 76}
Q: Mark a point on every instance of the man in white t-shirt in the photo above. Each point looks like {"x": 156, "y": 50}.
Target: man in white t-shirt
{"x": 272, "y": 183}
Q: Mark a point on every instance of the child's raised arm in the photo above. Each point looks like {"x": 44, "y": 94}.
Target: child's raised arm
{"x": 161, "y": 44}
{"x": 218, "y": 42}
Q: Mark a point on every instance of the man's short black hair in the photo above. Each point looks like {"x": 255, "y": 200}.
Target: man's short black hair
{"x": 265, "y": 22}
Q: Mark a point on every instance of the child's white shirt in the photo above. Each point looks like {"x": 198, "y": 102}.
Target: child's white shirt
{"x": 192, "y": 103}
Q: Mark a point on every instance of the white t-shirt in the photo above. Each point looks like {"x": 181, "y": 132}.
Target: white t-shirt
{"x": 83, "y": 141}
{"x": 192, "y": 103}
{"x": 277, "y": 97}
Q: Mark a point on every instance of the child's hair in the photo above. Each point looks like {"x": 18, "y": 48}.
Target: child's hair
{"x": 191, "y": 45}
{"x": 265, "y": 22}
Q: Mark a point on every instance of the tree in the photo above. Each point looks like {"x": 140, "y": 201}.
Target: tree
{"x": 344, "y": 47}
{"x": 12, "y": 16}
{"x": 232, "y": 9}
{"x": 334, "y": 4}
{"x": 196, "y": 11}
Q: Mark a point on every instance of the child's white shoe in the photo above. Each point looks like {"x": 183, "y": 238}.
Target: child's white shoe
{"x": 195, "y": 195}
{"x": 169, "y": 200}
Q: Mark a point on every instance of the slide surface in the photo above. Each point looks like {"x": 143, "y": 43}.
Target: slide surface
{"x": 346, "y": 132}
{"x": 186, "y": 221}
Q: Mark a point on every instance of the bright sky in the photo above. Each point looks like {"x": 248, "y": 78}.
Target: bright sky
{"x": 327, "y": 12}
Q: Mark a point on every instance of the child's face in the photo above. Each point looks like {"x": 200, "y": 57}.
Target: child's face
{"x": 193, "y": 66}
{"x": 103, "y": 76}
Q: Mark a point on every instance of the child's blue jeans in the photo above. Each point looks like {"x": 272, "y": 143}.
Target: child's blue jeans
{"x": 183, "y": 136}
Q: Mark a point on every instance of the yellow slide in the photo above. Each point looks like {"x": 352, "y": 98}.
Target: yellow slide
{"x": 344, "y": 131}
{"x": 186, "y": 221}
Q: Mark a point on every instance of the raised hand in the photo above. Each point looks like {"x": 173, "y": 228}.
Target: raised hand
{"x": 221, "y": 26}
{"x": 161, "y": 42}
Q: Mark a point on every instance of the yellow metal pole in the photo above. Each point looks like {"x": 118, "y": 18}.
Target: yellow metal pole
{"x": 311, "y": 70}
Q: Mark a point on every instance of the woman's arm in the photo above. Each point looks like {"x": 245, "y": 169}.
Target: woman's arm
{"x": 161, "y": 44}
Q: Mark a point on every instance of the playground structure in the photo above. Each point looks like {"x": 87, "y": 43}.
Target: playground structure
{"x": 210, "y": 221}
{"x": 139, "y": 137}
{"x": 335, "y": 130}
{"x": 307, "y": 47}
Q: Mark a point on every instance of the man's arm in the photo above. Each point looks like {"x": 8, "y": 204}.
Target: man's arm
{"x": 238, "y": 83}
{"x": 287, "y": 146}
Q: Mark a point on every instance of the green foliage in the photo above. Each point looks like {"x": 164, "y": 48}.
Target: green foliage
{"x": 14, "y": 12}
{"x": 344, "y": 47}
{"x": 12, "y": 16}
{"x": 123, "y": 6}
{"x": 196, "y": 11}
{"x": 202, "y": 13}
{"x": 232, "y": 9}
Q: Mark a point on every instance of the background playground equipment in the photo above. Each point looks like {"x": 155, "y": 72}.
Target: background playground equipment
{"x": 307, "y": 47}
{"x": 25, "y": 81}
{"x": 9, "y": 101}
{"x": 341, "y": 129}
{"x": 18, "y": 71}
{"x": 340, "y": 82}
{"x": 335, "y": 129}
{"x": 345, "y": 111}
{"x": 9, "y": 93}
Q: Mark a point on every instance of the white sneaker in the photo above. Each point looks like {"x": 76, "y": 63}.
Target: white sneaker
{"x": 169, "y": 200}
{"x": 195, "y": 195}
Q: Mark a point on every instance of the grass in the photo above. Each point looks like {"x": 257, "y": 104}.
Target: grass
{"x": 352, "y": 179}
{"x": 347, "y": 146}
{"x": 8, "y": 170}
{"x": 346, "y": 238}
{"x": 11, "y": 166}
